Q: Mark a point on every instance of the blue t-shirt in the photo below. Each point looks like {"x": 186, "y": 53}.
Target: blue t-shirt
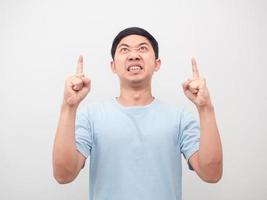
{"x": 135, "y": 152}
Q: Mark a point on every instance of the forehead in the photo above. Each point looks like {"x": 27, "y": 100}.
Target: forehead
{"x": 133, "y": 40}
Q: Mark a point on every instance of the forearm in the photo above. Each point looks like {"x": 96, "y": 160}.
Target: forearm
{"x": 65, "y": 158}
{"x": 210, "y": 150}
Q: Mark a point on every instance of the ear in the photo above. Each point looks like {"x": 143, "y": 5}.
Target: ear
{"x": 112, "y": 67}
{"x": 158, "y": 64}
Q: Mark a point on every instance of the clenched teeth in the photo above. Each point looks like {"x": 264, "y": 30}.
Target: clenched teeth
{"x": 134, "y": 68}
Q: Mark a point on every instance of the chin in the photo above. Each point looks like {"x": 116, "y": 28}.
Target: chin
{"x": 137, "y": 80}
{"x": 140, "y": 81}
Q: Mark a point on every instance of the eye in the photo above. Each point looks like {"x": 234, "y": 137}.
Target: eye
{"x": 124, "y": 50}
{"x": 143, "y": 49}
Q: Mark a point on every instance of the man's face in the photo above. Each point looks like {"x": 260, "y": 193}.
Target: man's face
{"x": 134, "y": 60}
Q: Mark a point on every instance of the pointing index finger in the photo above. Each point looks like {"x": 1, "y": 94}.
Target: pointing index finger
{"x": 194, "y": 68}
{"x": 79, "y": 69}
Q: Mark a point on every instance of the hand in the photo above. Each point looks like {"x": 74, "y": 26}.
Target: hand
{"x": 77, "y": 86}
{"x": 195, "y": 88}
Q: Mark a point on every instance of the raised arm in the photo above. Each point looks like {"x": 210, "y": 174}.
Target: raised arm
{"x": 208, "y": 161}
{"x": 67, "y": 161}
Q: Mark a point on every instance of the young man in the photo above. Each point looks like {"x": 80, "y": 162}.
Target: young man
{"x": 135, "y": 141}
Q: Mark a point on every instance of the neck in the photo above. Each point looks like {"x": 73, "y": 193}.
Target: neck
{"x": 135, "y": 96}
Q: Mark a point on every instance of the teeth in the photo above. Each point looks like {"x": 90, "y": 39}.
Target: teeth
{"x": 134, "y": 68}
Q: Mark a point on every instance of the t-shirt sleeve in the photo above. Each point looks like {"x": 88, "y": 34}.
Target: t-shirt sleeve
{"x": 189, "y": 135}
{"x": 83, "y": 132}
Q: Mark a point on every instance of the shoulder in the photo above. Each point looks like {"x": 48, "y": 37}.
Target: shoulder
{"x": 182, "y": 112}
{"x": 94, "y": 108}
{"x": 170, "y": 107}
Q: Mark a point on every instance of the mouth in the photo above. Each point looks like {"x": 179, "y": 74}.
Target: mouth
{"x": 134, "y": 68}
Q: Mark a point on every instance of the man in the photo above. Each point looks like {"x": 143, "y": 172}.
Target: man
{"x": 135, "y": 141}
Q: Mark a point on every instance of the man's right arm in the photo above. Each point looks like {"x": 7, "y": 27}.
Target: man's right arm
{"x": 67, "y": 160}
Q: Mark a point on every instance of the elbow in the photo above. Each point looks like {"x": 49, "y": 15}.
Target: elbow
{"x": 213, "y": 173}
{"x": 62, "y": 175}
{"x": 62, "y": 179}
{"x": 213, "y": 179}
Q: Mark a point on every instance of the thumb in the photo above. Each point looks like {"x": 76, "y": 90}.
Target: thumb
{"x": 187, "y": 92}
{"x": 86, "y": 81}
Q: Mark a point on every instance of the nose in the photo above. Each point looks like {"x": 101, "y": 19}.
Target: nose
{"x": 134, "y": 56}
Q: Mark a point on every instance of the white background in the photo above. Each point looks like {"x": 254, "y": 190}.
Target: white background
{"x": 40, "y": 42}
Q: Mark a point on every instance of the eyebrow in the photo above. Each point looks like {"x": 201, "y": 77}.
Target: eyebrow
{"x": 143, "y": 43}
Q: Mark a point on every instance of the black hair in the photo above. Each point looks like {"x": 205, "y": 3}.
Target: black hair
{"x": 134, "y": 31}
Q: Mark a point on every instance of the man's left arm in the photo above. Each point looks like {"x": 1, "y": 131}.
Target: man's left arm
{"x": 208, "y": 160}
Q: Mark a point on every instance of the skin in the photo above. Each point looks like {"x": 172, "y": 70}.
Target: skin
{"x": 67, "y": 161}
{"x": 135, "y": 90}
{"x": 208, "y": 161}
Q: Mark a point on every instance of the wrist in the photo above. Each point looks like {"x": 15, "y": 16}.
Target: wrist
{"x": 206, "y": 108}
{"x": 68, "y": 108}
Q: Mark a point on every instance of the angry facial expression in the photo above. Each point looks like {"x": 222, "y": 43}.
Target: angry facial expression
{"x": 134, "y": 60}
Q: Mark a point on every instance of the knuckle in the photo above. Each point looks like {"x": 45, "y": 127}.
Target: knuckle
{"x": 80, "y": 75}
